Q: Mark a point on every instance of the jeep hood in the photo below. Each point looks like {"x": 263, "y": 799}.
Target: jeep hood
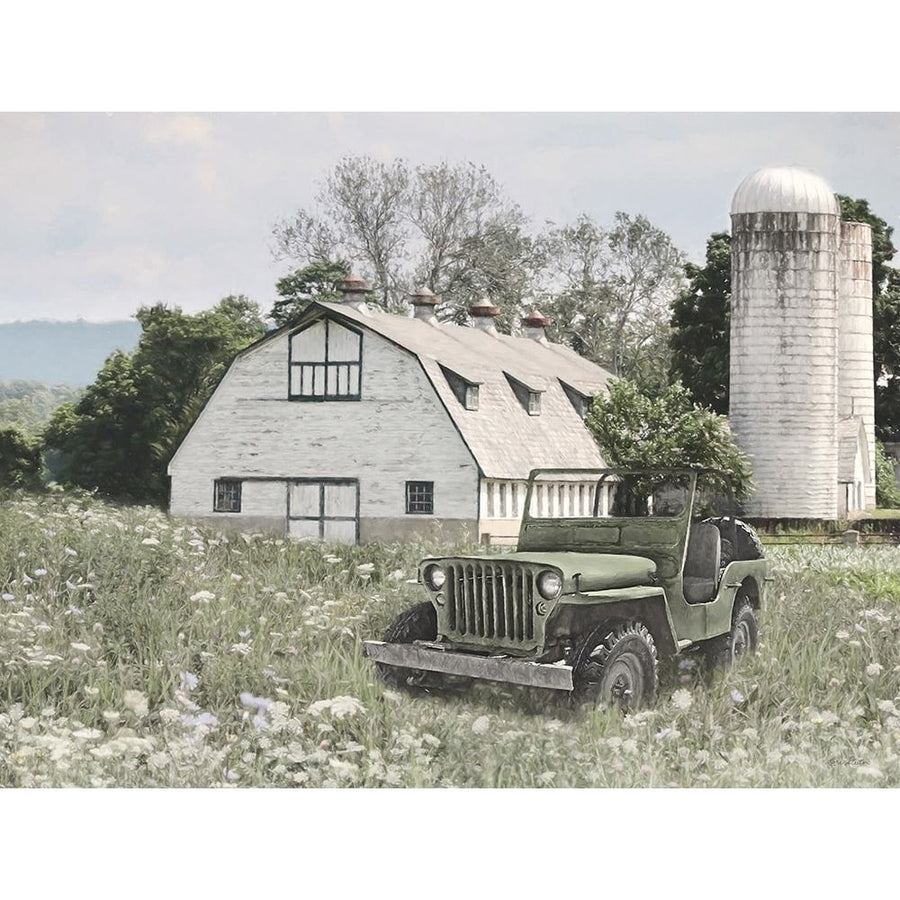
{"x": 595, "y": 571}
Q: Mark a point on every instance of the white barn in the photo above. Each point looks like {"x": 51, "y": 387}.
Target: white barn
{"x": 357, "y": 425}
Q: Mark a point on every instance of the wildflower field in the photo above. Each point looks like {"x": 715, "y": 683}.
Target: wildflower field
{"x": 140, "y": 651}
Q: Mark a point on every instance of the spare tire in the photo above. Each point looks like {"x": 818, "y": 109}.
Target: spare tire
{"x": 739, "y": 540}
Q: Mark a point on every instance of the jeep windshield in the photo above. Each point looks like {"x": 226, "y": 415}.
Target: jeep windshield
{"x": 609, "y": 494}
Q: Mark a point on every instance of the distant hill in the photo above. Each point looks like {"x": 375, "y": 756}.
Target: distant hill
{"x": 69, "y": 353}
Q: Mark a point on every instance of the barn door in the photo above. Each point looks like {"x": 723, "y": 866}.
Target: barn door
{"x": 326, "y": 510}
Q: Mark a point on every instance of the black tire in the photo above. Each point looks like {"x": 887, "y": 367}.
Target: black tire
{"x": 418, "y": 623}
{"x": 617, "y": 665}
{"x": 746, "y": 543}
{"x": 740, "y": 641}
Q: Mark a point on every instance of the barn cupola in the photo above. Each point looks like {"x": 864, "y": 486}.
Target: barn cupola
{"x": 423, "y": 304}
{"x": 353, "y": 290}
{"x": 534, "y": 324}
{"x": 483, "y": 314}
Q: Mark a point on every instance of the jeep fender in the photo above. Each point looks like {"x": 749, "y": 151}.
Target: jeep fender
{"x": 745, "y": 578}
{"x": 646, "y": 603}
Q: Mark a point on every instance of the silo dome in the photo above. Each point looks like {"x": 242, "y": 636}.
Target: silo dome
{"x": 787, "y": 189}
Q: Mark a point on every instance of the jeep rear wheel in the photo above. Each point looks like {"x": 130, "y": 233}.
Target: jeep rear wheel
{"x": 617, "y": 665}
{"x": 740, "y": 641}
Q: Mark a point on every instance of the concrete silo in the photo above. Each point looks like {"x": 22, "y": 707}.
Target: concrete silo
{"x": 801, "y": 392}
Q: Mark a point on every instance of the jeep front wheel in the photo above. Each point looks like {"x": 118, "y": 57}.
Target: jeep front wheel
{"x": 617, "y": 665}
{"x": 419, "y": 623}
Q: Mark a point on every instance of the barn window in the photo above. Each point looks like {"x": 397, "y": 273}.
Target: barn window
{"x": 529, "y": 398}
{"x": 227, "y": 495}
{"x": 464, "y": 390}
{"x": 419, "y": 497}
{"x": 325, "y": 362}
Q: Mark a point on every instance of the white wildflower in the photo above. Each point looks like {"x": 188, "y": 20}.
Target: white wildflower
{"x": 332, "y": 559}
{"x": 203, "y": 596}
{"x": 150, "y": 542}
{"x": 339, "y": 707}
{"x": 136, "y": 702}
{"x": 236, "y": 577}
{"x": 842, "y": 635}
{"x": 737, "y": 697}
{"x": 189, "y": 681}
{"x": 81, "y": 648}
{"x": 241, "y": 649}
{"x": 873, "y": 670}
{"x": 365, "y": 567}
{"x": 663, "y": 734}
{"x": 682, "y": 699}
{"x": 168, "y": 715}
{"x": 859, "y": 628}
{"x": 69, "y": 552}
{"x": 481, "y": 725}
{"x": 8, "y": 597}
{"x": 39, "y": 573}
{"x": 887, "y": 706}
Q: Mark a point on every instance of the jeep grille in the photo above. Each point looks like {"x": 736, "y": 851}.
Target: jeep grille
{"x": 492, "y": 601}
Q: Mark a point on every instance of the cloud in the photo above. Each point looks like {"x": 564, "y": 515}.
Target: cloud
{"x": 181, "y": 130}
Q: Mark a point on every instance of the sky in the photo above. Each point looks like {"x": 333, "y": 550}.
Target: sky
{"x": 101, "y": 213}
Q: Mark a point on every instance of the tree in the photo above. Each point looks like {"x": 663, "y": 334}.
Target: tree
{"x": 20, "y": 459}
{"x": 634, "y": 430}
{"x": 298, "y": 289}
{"x": 701, "y": 323}
{"x": 119, "y": 437}
{"x": 609, "y": 292}
{"x": 887, "y": 493}
{"x": 448, "y": 228}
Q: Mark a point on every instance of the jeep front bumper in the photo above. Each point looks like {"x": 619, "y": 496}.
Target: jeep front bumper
{"x": 491, "y": 668}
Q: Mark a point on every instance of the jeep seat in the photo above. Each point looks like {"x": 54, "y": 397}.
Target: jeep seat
{"x": 701, "y": 567}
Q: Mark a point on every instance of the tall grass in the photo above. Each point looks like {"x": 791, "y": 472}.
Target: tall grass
{"x": 141, "y": 651}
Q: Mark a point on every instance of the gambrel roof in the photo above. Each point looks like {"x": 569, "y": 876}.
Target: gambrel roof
{"x": 504, "y": 439}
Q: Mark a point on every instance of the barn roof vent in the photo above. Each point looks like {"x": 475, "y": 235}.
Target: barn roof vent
{"x": 483, "y": 313}
{"x": 353, "y": 290}
{"x": 423, "y": 303}
{"x": 534, "y": 324}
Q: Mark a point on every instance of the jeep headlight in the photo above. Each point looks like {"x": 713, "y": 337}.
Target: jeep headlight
{"x": 549, "y": 585}
{"x": 434, "y": 576}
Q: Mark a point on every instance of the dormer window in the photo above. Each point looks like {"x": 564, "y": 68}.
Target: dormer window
{"x": 529, "y": 398}
{"x": 325, "y": 362}
{"x": 464, "y": 390}
{"x": 579, "y": 400}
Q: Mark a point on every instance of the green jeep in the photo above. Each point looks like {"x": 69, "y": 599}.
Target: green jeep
{"x": 613, "y": 569}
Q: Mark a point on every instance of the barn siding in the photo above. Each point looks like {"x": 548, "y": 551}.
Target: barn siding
{"x": 398, "y": 431}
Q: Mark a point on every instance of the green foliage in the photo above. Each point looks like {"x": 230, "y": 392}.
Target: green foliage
{"x": 298, "y": 289}
{"x": 634, "y": 430}
{"x": 118, "y": 438}
{"x": 28, "y": 405}
{"x": 20, "y": 459}
{"x": 887, "y": 493}
{"x": 701, "y": 322}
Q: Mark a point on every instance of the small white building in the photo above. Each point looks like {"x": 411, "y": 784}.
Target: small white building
{"x": 357, "y": 425}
